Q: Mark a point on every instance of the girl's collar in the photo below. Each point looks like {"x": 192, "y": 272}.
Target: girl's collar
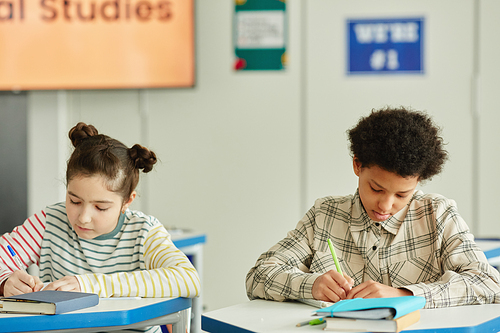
{"x": 117, "y": 229}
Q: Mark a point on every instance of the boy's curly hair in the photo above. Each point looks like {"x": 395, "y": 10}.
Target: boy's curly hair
{"x": 399, "y": 140}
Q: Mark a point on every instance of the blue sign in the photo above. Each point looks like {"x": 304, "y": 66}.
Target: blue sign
{"x": 385, "y": 46}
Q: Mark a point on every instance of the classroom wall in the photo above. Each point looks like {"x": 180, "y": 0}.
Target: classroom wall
{"x": 228, "y": 149}
{"x": 488, "y": 134}
{"x": 244, "y": 154}
{"x": 336, "y": 101}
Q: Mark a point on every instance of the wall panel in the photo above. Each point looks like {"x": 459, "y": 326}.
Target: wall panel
{"x": 336, "y": 101}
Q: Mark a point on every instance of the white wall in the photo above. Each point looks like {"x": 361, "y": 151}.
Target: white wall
{"x": 230, "y": 153}
{"x": 244, "y": 154}
{"x": 489, "y": 118}
{"x": 336, "y": 101}
{"x": 47, "y": 148}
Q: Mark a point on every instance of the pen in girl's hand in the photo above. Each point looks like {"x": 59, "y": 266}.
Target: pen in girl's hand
{"x": 32, "y": 282}
{"x": 16, "y": 258}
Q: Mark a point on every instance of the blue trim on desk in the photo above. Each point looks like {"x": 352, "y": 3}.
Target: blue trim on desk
{"x": 212, "y": 325}
{"x": 95, "y": 319}
{"x": 493, "y": 252}
{"x": 491, "y": 326}
{"x": 189, "y": 241}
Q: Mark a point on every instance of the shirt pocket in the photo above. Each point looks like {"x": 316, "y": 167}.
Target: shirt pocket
{"x": 420, "y": 265}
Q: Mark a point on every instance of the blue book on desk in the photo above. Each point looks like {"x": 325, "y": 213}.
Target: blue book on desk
{"x": 373, "y": 308}
{"x": 48, "y": 302}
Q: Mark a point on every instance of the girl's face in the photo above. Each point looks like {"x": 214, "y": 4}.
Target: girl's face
{"x": 92, "y": 209}
{"x": 383, "y": 193}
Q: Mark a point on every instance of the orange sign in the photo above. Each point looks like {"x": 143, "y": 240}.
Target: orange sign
{"x": 96, "y": 44}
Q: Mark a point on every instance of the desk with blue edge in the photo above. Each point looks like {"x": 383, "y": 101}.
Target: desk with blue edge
{"x": 109, "y": 315}
{"x": 282, "y": 317}
{"x": 191, "y": 244}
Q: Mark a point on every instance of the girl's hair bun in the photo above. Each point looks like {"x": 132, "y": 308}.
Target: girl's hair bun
{"x": 80, "y": 132}
{"x": 142, "y": 157}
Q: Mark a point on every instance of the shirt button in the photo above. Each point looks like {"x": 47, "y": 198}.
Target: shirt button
{"x": 377, "y": 224}
{"x": 374, "y": 247}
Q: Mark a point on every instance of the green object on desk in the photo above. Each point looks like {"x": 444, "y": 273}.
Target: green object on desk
{"x": 334, "y": 255}
{"x": 317, "y": 321}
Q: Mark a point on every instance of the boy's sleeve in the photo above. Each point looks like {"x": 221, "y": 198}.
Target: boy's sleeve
{"x": 467, "y": 276}
{"x": 26, "y": 241}
{"x": 168, "y": 273}
{"x": 283, "y": 271}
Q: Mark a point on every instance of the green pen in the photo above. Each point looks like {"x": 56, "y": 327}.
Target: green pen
{"x": 316, "y": 321}
{"x": 334, "y": 255}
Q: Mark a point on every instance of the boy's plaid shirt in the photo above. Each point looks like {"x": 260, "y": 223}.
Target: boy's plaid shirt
{"x": 426, "y": 248}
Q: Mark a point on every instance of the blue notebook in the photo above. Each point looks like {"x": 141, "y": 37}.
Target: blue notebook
{"x": 373, "y": 308}
{"x": 48, "y": 302}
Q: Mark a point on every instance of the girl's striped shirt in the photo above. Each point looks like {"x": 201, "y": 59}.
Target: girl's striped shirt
{"x": 137, "y": 258}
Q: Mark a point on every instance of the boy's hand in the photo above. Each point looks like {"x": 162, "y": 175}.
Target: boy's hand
{"x": 20, "y": 282}
{"x": 67, "y": 283}
{"x": 372, "y": 289}
{"x": 332, "y": 286}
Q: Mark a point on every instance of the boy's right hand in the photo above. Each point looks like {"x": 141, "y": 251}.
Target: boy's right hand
{"x": 332, "y": 286}
{"x": 20, "y": 282}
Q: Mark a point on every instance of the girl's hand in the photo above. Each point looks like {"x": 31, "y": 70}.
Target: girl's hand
{"x": 67, "y": 283}
{"x": 20, "y": 282}
{"x": 332, "y": 286}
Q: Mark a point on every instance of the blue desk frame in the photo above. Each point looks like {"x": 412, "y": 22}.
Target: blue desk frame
{"x": 109, "y": 314}
{"x": 184, "y": 240}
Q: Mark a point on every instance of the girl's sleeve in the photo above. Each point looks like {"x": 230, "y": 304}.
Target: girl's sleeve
{"x": 26, "y": 241}
{"x": 168, "y": 273}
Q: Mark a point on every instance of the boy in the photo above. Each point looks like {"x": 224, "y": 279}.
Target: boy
{"x": 391, "y": 240}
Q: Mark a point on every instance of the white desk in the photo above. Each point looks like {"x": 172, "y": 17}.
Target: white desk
{"x": 108, "y": 315}
{"x": 276, "y": 317}
{"x": 191, "y": 244}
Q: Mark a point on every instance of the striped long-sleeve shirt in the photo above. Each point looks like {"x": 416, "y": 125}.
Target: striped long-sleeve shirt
{"x": 137, "y": 258}
{"x": 426, "y": 248}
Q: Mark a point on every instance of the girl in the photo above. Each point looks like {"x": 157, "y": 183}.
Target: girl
{"x": 93, "y": 242}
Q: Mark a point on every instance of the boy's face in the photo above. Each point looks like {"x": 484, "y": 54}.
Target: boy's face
{"x": 383, "y": 193}
{"x": 92, "y": 209}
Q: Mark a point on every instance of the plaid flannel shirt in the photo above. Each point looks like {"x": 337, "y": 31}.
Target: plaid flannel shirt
{"x": 426, "y": 247}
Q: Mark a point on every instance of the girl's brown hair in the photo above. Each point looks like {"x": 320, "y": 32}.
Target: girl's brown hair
{"x": 98, "y": 154}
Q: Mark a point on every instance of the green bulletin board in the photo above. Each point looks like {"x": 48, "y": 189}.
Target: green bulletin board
{"x": 259, "y": 34}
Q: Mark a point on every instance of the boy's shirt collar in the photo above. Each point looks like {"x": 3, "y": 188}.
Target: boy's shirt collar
{"x": 361, "y": 221}
{"x": 359, "y": 218}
